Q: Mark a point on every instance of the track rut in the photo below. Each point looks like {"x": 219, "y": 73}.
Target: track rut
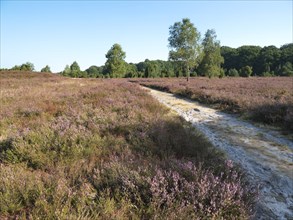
{"x": 265, "y": 155}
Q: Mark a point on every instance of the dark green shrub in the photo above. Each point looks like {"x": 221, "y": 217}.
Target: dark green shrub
{"x": 246, "y": 71}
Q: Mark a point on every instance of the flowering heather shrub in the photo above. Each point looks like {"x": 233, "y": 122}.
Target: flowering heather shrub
{"x": 198, "y": 194}
{"x": 267, "y": 100}
{"x": 90, "y": 149}
{"x": 160, "y": 189}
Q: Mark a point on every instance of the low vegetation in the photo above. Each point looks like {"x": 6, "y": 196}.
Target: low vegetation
{"x": 266, "y": 100}
{"x": 88, "y": 149}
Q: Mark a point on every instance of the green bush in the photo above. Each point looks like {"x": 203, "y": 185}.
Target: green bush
{"x": 233, "y": 73}
{"x": 246, "y": 71}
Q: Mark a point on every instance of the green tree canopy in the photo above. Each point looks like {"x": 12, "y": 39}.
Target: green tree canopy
{"x": 66, "y": 71}
{"x": 269, "y": 59}
{"x": 24, "y": 67}
{"x": 28, "y": 66}
{"x": 212, "y": 59}
{"x": 246, "y": 71}
{"x": 287, "y": 53}
{"x": 152, "y": 69}
{"x": 184, "y": 44}
{"x": 95, "y": 71}
{"x": 46, "y": 69}
{"x": 248, "y": 56}
{"x": 232, "y": 72}
{"x": 74, "y": 69}
{"x": 115, "y": 64}
{"x": 16, "y": 67}
{"x": 230, "y": 56}
{"x": 286, "y": 69}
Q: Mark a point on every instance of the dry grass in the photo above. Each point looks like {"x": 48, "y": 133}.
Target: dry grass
{"x": 88, "y": 149}
{"x": 267, "y": 100}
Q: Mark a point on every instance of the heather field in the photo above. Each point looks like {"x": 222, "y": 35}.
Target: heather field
{"x": 268, "y": 100}
{"x": 105, "y": 149}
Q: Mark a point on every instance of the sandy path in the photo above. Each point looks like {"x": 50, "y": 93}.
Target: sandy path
{"x": 266, "y": 155}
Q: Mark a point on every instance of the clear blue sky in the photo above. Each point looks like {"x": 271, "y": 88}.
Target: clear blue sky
{"x": 60, "y": 32}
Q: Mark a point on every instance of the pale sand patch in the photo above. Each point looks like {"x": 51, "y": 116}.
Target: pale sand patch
{"x": 266, "y": 155}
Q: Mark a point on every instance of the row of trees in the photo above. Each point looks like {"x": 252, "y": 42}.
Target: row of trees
{"x": 209, "y": 59}
{"x": 24, "y": 67}
{"x": 28, "y": 66}
{"x": 264, "y": 61}
{"x": 241, "y": 64}
{"x": 242, "y": 61}
{"x": 190, "y": 55}
{"x": 186, "y": 56}
{"x": 147, "y": 68}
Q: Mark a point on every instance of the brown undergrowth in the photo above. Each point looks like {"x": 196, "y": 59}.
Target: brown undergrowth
{"x": 263, "y": 99}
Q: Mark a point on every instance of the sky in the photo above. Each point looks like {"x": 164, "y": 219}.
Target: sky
{"x": 57, "y": 33}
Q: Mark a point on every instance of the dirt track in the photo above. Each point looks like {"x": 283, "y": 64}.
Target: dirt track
{"x": 265, "y": 155}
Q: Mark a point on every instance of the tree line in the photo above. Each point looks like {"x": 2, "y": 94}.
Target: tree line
{"x": 266, "y": 61}
{"x": 28, "y": 66}
{"x": 242, "y": 61}
{"x": 190, "y": 55}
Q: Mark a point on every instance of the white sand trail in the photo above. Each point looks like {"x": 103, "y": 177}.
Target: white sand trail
{"x": 265, "y": 155}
